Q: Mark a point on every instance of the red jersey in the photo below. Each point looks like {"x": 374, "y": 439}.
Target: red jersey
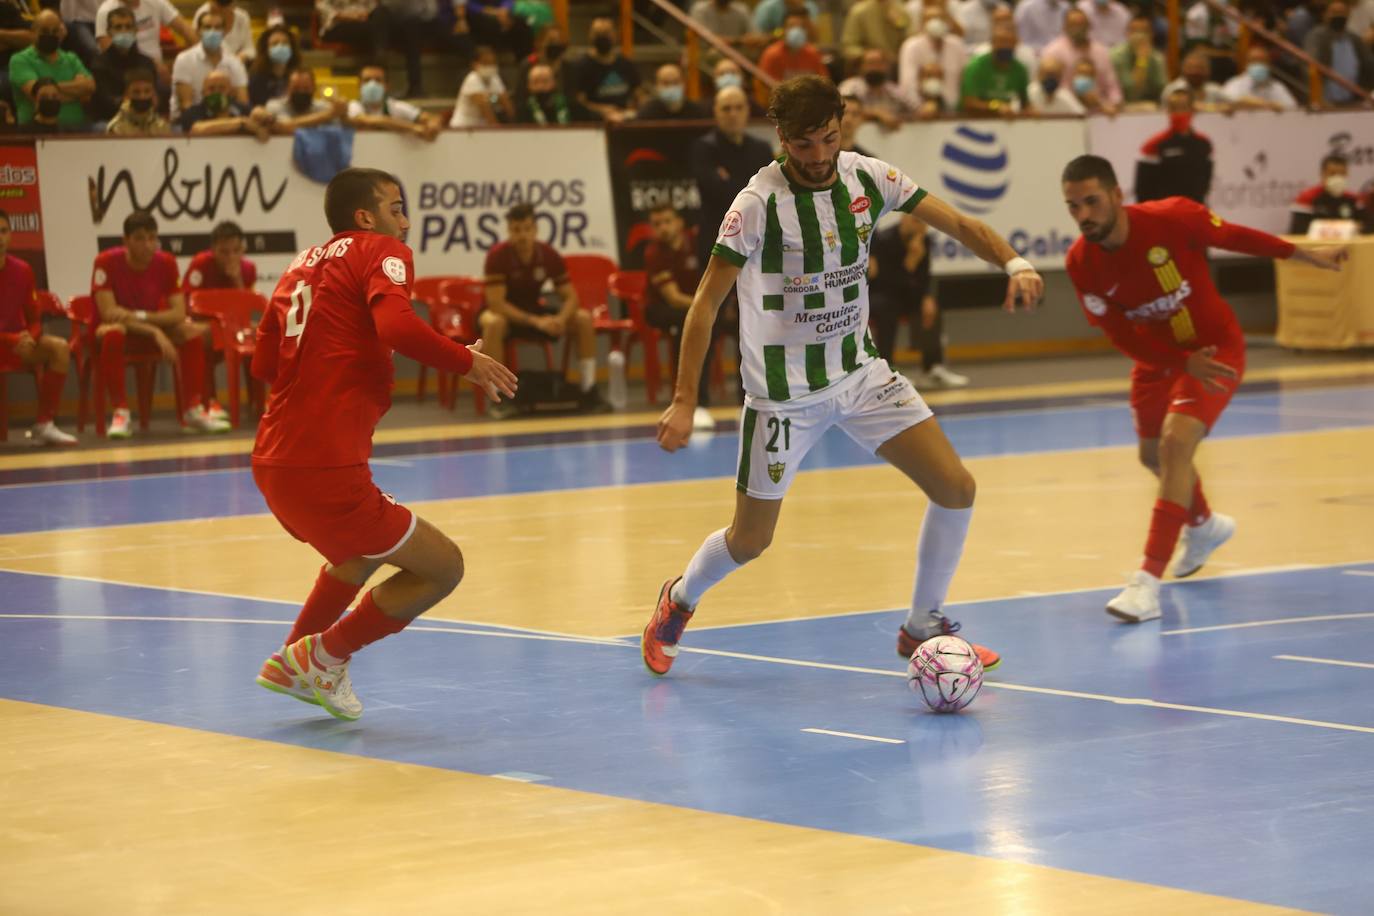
{"x": 681, "y": 265}
{"x": 18, "y": 305}
{"x": 146, "y": 290}
{"x": 525, "y": 279}
{"x": 204, "y": 273}
{"x": 1154, "y": 296}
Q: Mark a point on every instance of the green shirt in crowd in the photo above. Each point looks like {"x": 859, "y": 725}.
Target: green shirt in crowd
{"x": 986, "y": 81}
{"x": 27, "y": 65}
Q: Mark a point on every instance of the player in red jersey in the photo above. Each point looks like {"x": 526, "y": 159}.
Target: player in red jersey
{"x": 221, "y": 266}
{"x": 1142, "y": 276}
{"x": 325, "y": 347}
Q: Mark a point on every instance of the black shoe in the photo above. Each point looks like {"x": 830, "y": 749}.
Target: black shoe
{"x": 591, "y": 401}
{"x": 502, "y": 410}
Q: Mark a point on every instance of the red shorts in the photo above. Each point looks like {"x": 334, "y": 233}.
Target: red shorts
{"x": 1156, "y": 393}
{"x": 338, "y": 511}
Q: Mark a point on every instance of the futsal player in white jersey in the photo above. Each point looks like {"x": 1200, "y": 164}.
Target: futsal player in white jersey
{"x": 796, "y": 242}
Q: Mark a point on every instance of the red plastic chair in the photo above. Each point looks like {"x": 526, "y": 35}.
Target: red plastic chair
{"x": 430, "y": 291}
{"x": 460, "y": 302}
{"x": 590, "y": 275}
{"x": 628, "y": 287}
{"x": 85, "y": 319}
{"x": 230, "y": 313}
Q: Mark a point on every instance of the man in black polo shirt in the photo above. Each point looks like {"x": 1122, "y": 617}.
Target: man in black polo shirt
{"x": 111, "y": 67}
{"x": 723, "y": 161}
{"x": 607, "y": 82}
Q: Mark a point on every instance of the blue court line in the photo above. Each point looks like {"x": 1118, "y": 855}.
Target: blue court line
{"x": 1256, "y": 810}
{"x": 539, "y": 469}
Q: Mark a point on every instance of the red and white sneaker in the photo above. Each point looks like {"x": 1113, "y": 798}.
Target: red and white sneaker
{"x": 215, "y": 411}
{"x": 276, "y": 675}
{"x": 120, "y": 427}
{"x": 908, "y": 644}
{"x": 330, "y": 683}
{"x": 661, "y": 636}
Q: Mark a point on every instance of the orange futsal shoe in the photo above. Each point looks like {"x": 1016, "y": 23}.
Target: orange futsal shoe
{"x": 661, "y": 636}
{"x": 907, "y": 644}
{"x": 277, "y": 675}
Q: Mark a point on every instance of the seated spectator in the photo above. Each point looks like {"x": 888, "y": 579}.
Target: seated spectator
{"x": 1040, "y": 22}
{"x": 23, "y": 345}
{"x": 1075, "y": 45}
{"x": 1107, "y": 21}
{"x": 882, "y": 99}
{"x": 935, "y": 44}
{"x": 494, "y": 23}
{"x": 1085, "y": 87}
{"x": 543, "y": 102}
{"x": 1215, "y": 36}
{"x": 1050, "y": 94}
{"x": 200, "y": 60}
{"x": 299, "y": 106}
{"x": 728, "y": 19}
{"x": 112, "y": 66}
{"x": 551, "y": 50}
{"x": 138, "y": 295}
{"x": 1176, "y": 161}
{"x": 516, "y": 271}
{"x": 363, "y": 25}
{"x": 607, "y": 82}
{"x": 793, "y": 54}
{"x": 482, "y": 100}
{"x": 238, "y": 28}
{"x": 870, "y": 24}
{"x": 137, "y": 115}
{"x": 974, "y": 18}
{"x": 16, "y": 34}
{"x": 375, "y": 110}
{"x": 221, "y": 266}
{"x": 769, "y": 15}
{"x": 996, "y": 82}
{"x": 1194, "y": 78}
{"x": 670, "y": 102}
{"x": 218, "y": 113}
{"x": 1002, "y": 15}
{"x": 1256, "y": 88}
{"x": 278, "y": 55}
{"x": 672, "y": 270}
{"x": 930, "y": 103}
{"x": 1139, "y": 67}
{"x": 79, "y": 17}
{"x": 1333, "y": 45}
{"x": 149, "y": 18}
{"x": 47, "y": 105}
{"x": 1329, "y": 200}
{"x": 46, "y": 59}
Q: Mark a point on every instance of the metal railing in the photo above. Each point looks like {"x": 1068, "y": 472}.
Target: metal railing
{"x": 694, "y": 35}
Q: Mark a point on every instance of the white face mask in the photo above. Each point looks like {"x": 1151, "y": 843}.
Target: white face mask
{"x": 937, "y": 28}
{"x": 486, "y": 71}
{"x": 1335, "y": 185}
{"x": 932, "y": 87}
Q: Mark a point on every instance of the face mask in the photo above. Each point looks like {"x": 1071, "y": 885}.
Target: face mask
{"x": 372, "y": 93}
{"x": 141, "y": 106}
{"x": 302, "y": 101}
{"x": 670, "y": 95}
{"x": 553, "y": 50}
{"x": 1050, "y": 84}
{"x": 1180, "y": 122}
{"x": 280, "y": 54}
{"x": 937, "y": 28}
{"x": 932, "y": 87}
{"x": 602, "y": 44}
{"x": 1335, "y": 185}
{"x": 47, "y": 43}
{"x": 729, "y": 80}
{"x": 1003, "y": 55}
{"x": 1259, "y": 73}
{"x": 1083, "y": 84}
{"x": 875, "y": 78}
{"x": 211, "y": 39}
{"x": 215, "y": 102}
{"x": 123, "y": 40}
{"x": 545, "y": 99}
{"x": 486, "y": 71}
{"x": 796, "y": 37}
{"x": 49, "y": 108}
{"x": 1337, "y": 24}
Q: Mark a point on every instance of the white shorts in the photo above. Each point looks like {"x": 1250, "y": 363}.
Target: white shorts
{"x": 775, "y": 436}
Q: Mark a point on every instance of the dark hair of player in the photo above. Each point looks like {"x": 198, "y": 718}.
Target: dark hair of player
{"x": 350, "y": 191}
{"x": 664, "y": 206}
{"x": 139, "y": 221}
{"x": 138, "y": 74}
{"x": 1086, "y": 168}
{"x": 225, "y": 230}
{"x": 1334, "y": 159}
{"x": 803, "y": 104}
{"x": 120, "y": 12}
{"x": 519, "y": 213}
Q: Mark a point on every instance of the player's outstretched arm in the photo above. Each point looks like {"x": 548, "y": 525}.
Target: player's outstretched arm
{"x": 1025, "y": 284}
{"x": 675, "y": 426}
{"x": 1322, "y": 258}
{"x": 490, "y": 375}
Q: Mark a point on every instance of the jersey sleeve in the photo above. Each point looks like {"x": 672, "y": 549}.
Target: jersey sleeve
{"x": 897, "y": 191}
{"x": 389, "y": 271}
{"x": 102, "y": 274}
{"x": 1207, "y": 230}
{"x": 742, "y": 230}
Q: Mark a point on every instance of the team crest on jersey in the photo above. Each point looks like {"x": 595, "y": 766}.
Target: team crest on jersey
{"x": 99, "y": 276}
{"x": 733, "y": 224}
{"x": 194, "y": 278}
{"x": 864, "y": 230}
{"x": 830, "y": 239}
{"x": 1095, "y": 304}
{"x": 1158, "y": 256}
{"x": 775, "y": 470}
{"x": 395, "y": 269}
{"x": 1216, "y": 220}
{"x": 891, "y": 174}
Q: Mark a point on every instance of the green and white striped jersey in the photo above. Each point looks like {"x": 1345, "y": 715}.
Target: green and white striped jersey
{"x": 803, "y": 283}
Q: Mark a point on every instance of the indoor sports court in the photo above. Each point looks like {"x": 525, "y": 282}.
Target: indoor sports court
{"x": 516, "y": 757}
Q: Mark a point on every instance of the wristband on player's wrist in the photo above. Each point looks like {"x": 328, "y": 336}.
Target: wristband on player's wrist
{"x": 1016, "y": 266}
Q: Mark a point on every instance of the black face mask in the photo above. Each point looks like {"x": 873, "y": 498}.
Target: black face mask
{"x": 875, "y": 78}
{"x": 602, "y": 44}
{"x": 554, "y": 50}
{"x": 47, "y": 43}
{"x": 301, "y": 101}
{"x": 1051, "y": 85}
{"x": 545, "y": 99}
{"x": 1337, "y": 24}
{"x": 49, "y": 108}
{"x": 142, "y": 106}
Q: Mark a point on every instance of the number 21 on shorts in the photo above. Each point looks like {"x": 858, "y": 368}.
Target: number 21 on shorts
{"x": 777, "y": 429}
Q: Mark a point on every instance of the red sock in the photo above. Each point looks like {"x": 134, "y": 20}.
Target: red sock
{"x": 193, "y": 371}
{"x": 1165, "y": 524}
{"x": 112, "y": 359}
{"x": 364, "y": 626}
{"x": 49, "y": 394}
{"x": 1199, "y": 511}
{"x": 327, "y": 602}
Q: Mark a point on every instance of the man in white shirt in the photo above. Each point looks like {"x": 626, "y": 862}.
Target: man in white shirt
{"x": 1195, "y": 78}
{"x": 378, "y": 111}
{"x": 207, "y": 56}
{"x": 1039, "y": 22}
{"x": 1049, "y": 94}
{"x": 238, "y": 35}
{"x": 149, "y": 18}
{"x": 1256, "y": 88}
{"x": 1107, "y": 20}
{"x": 482, "y": 99}
{"x": 974, "y": 17}
{"x": 935, "y": 44}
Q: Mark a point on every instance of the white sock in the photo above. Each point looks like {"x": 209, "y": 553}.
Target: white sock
{"x": 588, "y": 373}
{"x": 943, "y": 533}
{"x": 711, "y": 563}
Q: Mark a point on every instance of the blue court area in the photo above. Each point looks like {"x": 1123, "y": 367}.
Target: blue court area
{"x": 1255, "y": 784}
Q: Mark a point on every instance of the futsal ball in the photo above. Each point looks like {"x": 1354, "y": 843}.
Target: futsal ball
{"x": 946, "y": 672}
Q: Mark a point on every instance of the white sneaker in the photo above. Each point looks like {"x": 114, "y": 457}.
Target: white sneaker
{"x": 120, "y": 427}
{"x": 941, "y": 377}
{"x": 1199, "y": 542}
{"x": 331, "y": 683}
{"x": 48, "y": 434}
{"x": 702, "y": 421}
{"x": 216, "y": 412}
{"x": 1139, "y": 601}
{"x": 198, "y": 419}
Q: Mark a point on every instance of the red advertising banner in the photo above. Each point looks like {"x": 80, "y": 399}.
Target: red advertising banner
{"x": 19, "y": 198}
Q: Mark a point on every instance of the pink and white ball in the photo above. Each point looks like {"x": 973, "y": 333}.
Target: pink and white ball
{"x": 946, "y": 672}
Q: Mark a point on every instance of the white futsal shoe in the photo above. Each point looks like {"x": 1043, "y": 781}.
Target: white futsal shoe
{"x": 48, "y": 434}
{"x": 1200, "y": 541}
{"x": 702, "y": 421}
{"x": 332, "y": 686}
{"x": 941, "y": 377}
{"x": 119, "y": 424}
{"x": 198, "y": 419}
{"x": 1138, "y": 601}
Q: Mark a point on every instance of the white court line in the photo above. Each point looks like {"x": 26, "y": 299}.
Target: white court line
{"x": 1278, "y": 621}
{"x": 1323, "y": 661}
{"x": 1358, "y": 572}
{"x": 826, "y": 731}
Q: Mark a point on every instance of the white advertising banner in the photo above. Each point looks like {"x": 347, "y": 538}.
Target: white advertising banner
{"x": 1261, "y": 160}
{"x": 457, "y": 190}
{"x": 1005, "y": 173}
